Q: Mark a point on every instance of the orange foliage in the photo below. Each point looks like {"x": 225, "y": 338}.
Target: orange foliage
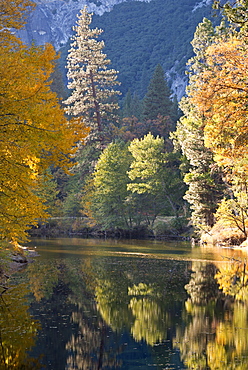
{"x": 34, "y": 132}
{"x": 220, "y": 94}
{"x": 13, "y": 13}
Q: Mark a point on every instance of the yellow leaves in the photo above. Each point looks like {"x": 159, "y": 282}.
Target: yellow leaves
{"x": 14, "y": 12}
{"x": 220, "y": 95}
{"x": 233, "y": 280}
{"x": 33, "y": 164}
{"x": 149, "y": 320}
{"x": 80, "y": 129}
{"x": 34, "y": 132}
{"x": 15, "y": 314}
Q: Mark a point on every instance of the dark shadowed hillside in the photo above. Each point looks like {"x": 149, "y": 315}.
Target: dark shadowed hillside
{"x": 138, "y": 36}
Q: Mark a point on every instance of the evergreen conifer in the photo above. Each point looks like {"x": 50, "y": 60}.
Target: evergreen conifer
{"x": 157, "y": 99}
{"x": 90, "y": 80}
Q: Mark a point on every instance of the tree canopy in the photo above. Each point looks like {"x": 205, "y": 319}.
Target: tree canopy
{"x": 34, "y": 131}
{"x": 220, "y": 95}
{"x": 213, "y": 131}
{"x": 13, "y": 14}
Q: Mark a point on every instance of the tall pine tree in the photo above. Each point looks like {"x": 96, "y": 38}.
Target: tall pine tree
{"x": 157, "y": 100}
{"x": 90, "y": 80}
{"x": 204, "y": 177}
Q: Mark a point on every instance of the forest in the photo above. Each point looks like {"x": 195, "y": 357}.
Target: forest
{"x": 95, "y": 162}
{"x": 155, "y": 32}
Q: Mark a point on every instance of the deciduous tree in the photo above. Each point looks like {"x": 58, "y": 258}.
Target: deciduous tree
{"x": 152, "y": 173}
{"x": 34, "y": 132}
{"x": 106, "y": 201}
{"x": 220, "y": 94}
{"x": 13, "y": 14}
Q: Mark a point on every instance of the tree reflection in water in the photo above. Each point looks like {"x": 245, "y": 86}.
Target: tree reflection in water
{"x": 215, "y": 335}
{"x": 90, "y": 347}
{"x": 110, "y": 303}
{"x": 17, "y": 330}
{"x": 90, "y": 308}
{"x": 138, "y": 308}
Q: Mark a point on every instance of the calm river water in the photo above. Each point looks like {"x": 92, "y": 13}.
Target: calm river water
{"x": 107, "y": 304}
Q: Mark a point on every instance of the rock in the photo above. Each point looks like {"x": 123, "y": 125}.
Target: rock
{"x": 19, "y": 258}
{"x": 32, "y": 253}
{"x": 52, "y": 21}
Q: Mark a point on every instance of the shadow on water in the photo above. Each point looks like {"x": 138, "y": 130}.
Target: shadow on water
{"x": 104, "y": 304}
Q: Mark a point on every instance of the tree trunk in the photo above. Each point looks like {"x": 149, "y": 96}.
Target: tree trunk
{"x": 97, "y": 108}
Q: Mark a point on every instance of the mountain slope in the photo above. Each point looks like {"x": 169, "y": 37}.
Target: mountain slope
{"x": 52, "y": 20}
{"x": 138, "y": 35}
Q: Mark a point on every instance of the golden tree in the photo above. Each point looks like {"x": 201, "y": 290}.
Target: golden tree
{"x": 33, "y": 130}
{"x": 220, "y": 94}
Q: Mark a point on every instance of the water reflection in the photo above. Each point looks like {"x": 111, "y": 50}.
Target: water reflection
{"x": 216, "y": 333}
{"x": 17, "y": 329}
{"x": 118, "y": 310}
{"x": 103, "y": 311}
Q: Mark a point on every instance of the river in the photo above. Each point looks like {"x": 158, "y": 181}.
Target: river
{"x": 126, "y": 304}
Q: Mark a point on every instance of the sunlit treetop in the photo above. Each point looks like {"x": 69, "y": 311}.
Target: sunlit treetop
{"x": 236, "y": 11}
{"x": 13, "y": 15}
{"x": 92, "y": 83}
{"x": 220, "y": 94}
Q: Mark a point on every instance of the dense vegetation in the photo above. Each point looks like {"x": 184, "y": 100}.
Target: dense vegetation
{"x": 140, "y": 166}
{"x": 140, "y": 35}
{"x": 213, "y": 131}
{"x": 34, "y": 132}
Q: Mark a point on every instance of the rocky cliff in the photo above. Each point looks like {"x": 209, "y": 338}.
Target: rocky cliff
{"x": 52, "y": 20}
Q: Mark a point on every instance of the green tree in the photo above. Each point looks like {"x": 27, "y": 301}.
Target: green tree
{"x": 153, "y": 175}
{"x": 91, "y": 81}
{"x": 107, "y": 200}
{"x": 157, "y": 99}
{"x": 149, "y": 158}
{"x": 132, "y": 105}
{"x": 110, "y": 202}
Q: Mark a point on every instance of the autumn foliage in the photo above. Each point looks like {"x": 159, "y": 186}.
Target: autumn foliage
{"x": 34, "y": 132}
{"x": 220, "y": 94}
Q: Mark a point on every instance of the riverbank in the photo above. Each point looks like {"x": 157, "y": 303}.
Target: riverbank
{"x": 12, "y": 261}
{"x": 222, "y": 235}
{"x": 164, "y": 228}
